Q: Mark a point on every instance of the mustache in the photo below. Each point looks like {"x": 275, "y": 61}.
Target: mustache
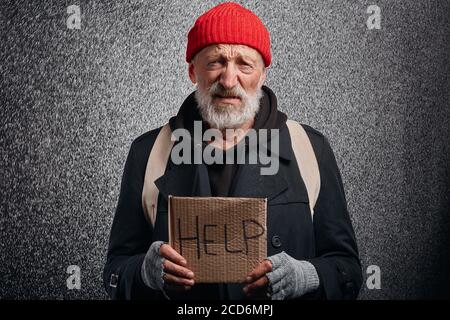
{"x": 217, "y": 90}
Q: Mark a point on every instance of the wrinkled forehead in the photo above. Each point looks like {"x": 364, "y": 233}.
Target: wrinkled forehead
{"x": 231, "y": 51}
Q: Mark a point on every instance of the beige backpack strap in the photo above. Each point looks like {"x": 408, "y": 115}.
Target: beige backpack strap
{"x": 156, "y": 166}
{"x": 306, "y": 161}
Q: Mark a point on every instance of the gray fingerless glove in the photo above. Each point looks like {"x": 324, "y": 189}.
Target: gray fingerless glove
{"x": 152, "y": 267}
{"x": 291, "y": 278}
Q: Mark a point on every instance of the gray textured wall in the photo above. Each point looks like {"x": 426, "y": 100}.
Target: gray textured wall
{"x": 73, "y": 100}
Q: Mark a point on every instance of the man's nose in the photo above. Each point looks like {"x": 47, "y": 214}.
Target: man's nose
{"x": 229, "y": 78}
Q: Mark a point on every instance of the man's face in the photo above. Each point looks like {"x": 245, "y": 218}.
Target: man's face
{"x": 229, "y": 80}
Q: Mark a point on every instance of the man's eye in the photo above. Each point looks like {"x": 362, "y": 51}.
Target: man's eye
{"x": 246, "y": 67}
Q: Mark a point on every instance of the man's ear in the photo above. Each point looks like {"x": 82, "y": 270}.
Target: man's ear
{"x": 263, "y": 76}
{"x": 192, "y": 73}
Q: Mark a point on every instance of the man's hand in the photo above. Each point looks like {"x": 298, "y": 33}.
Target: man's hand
{"x": 165, "y": 269}
{"x": 257, "y": 281}
{"x": 287, "y": 278}
{"x": 281, "y": 277}
{"x": 176, "y": 274}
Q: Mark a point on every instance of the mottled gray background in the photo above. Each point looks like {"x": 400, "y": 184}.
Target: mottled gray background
{"x": 73, "y": 100}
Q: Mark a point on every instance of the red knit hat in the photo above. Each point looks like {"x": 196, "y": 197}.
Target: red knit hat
{"x": 229, "y": 23}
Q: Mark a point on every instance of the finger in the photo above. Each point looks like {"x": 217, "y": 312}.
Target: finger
{"x": 259, "y": 271}
{"x": 276, "y": 287}
{"x": 280, "y": 295}
{"x": 177, "y": 270}
{"x": 171, "y": 280}
{"x": 259, "y": 284}
{"x": 276, "y": 276}
{"x": 166, "y": 251}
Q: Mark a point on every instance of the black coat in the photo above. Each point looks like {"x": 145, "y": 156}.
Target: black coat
{"x": 327, "y": 241}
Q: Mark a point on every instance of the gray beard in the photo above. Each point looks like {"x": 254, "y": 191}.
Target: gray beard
{"x": 227, "y": 116}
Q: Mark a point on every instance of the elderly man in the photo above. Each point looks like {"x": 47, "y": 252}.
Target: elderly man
{"x": 228, "y": 52}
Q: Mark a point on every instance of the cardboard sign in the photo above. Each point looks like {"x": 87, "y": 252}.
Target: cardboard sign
{"x": 222, "y": 239}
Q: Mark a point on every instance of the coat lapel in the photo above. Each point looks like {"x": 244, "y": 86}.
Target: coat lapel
{"x": 249, "y": 182}
{"x": 185, "y": 180}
